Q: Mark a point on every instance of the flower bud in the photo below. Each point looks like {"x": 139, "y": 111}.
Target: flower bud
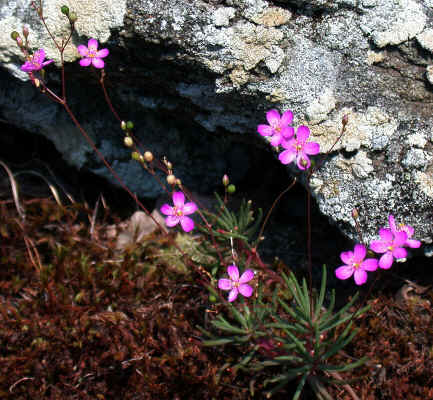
{"x": 129, "y": 125}
{"x": 135, "y": 156}
{"x": 148, "y": 156}
{"x": 15, "y": 35}
{"x": 72, "y": 17}
{"x": 20, "y": 42}
{"x": 64, "y": 10}
{"x": 37, "y": 82}
{"x": 345, "y": 119}
{"x": 128, "y": 141}
{"x": 178, "y": 182}
{"x": 171, "y": 179}
{"x": 212, "y": 298}
{"x": 231, "y": 188}
{"x": 226, "y": 180}
{"x": 25, "y": 31}
{"x": 169, "y": 165}
{"x": 123, "y": 126}
{"x": 355, "y": 213}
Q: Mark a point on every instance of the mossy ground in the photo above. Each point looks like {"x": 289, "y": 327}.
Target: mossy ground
{"x": 80, "y": 319}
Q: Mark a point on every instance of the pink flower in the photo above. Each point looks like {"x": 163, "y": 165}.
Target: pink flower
{"x": 91, "y": 54}
{"x": 36, "y": 62}
{"x": 278, "y": 128}
{"x": 298, "y": 148}
{"x": 235, "y": 284}
{"x": 391, "y": 244}
{"x": 356, "y": 265}
{"x": 412, "y": 243}
{"x": 178, "y": 213}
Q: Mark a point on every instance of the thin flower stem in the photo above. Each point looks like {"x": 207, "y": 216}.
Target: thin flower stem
{"x": 272, "y": 208}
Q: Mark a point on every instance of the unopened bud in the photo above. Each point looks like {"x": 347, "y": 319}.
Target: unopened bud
{"x": 345, "y": 119}
{"x": 37, "y": 82}
{"x": 20, "y": 42}
{"x": 25, "y": 31}
{"x": 64, "y": 10}
{"x": 171, "y": 179}
{"x": 169, "y": 165}
{"x": 355, "y": 213}
{"x": 72, "y": 17}
{"x": 128, "y": 141}
{"x": 231, "y": 188}
{"x": 178, "y": 182}
{"x": 226, "y": 180}
{"x": 123, "y": 126}
{"x": 135, "y": 156}
{"x": 148, "y": 156}
{"x": 15, "y": 35}
{"x": 129, "y": 125}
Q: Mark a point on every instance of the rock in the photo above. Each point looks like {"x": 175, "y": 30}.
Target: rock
{"x": 197, "y": 76}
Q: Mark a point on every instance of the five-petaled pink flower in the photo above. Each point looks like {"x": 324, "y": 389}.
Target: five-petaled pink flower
{"x": 178, "y": 213}
{"x": 391, "y": 244}
{"x": 235, "y": 284}
{"x": 298, "y": 148}
{"x": 36, "y": 62}
{"x": 412, "y": 243}
{"x": 356, "y": 265}
{"x": 91, "y": 54}
{"x": 278, "y": 128}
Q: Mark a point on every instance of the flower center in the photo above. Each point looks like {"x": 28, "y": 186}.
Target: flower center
{"x": 356, "y": 265}
{"x": 178, "y": 212}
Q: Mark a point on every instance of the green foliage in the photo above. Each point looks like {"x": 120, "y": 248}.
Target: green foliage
{"x": 296, "y": 338}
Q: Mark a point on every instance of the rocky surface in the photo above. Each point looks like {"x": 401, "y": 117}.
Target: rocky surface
{"x": 197, "y": 77}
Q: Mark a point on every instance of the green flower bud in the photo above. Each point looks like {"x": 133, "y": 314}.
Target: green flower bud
{"x": 64, "y": 10}
{"x": 231, "y": 188}
{"x": 212, "y": 298}
{"x": 72, "y": 17}
{"x": 135, "y": 156}
{"x": 15, "y": 35}
{"x": 129, "y": 125}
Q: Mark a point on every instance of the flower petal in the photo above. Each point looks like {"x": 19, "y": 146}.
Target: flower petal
{"x": 360, "y": 277}
{"x": 98, "y": 63}
{"x": 233, "y": 272}
{"x": 27, "y": 67}
{"x": 39, "y": 56}
{"x": 85, "y": 62}
{"x": 265, "y": 130}
{"x": 386, "y": 234}
{"x": 178, "y": 199}
{"x": 92, "y": 44}
{"x": 246, "y": 290}
{"x": 312, "y": 148}
{"x": 386, "y": 260}
{"x": 189, "y": 208}
{"x": 344, "y": 272}
{"x": 187, "y": 224}
{"x": 400, "y": 238}
{"x": 47, "y": 62}
{"x": 276, "y": 139}
{"x": 379, "y": 246}
{"x": 287, "y": 156}
{"x": 273, "y": 117}
{"x": 172, "y": 220}
{"x": 302, "y": 161}
{"x": 399, "y": 252}
{"x": 392, "y": 225}
{"x": 83, "y": 50}
{"x": 413, "y": 244}
{"x": 102, "y": 53}
{"x": 166, "y": 209}
{"x": 225, "y": 284}
{"x": 288, "y": 132}
{"x": 347, "y": 257}
{"x": 246, "y": 276}
{"x": 359, "y": 252}
{"x": 287, "y": 117}
{"x": 302, "y": 134}
{"x": 233, "y": 294}
{"x": 370, "y": 264}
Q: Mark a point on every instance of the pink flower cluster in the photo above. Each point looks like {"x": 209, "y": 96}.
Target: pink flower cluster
{"x": 391, "y": 245}
{"x": 296, "y": 145}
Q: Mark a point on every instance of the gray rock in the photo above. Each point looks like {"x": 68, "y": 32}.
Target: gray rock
{"x": 197, "y": 77}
